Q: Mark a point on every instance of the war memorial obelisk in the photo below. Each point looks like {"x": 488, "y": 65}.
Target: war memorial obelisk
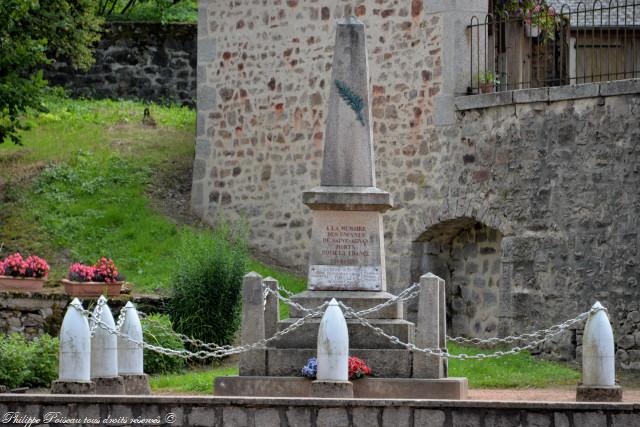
{"x": 346, "y": 262}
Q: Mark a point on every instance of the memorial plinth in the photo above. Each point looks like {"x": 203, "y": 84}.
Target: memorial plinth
{"x": 346, "y": 262}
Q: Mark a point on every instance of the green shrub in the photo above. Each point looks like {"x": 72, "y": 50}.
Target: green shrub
{"x": 207, "y": 284}
{"x": 157, "y": 330}
{"x": 28, "y": 363}
{"x": 43, "y": 361}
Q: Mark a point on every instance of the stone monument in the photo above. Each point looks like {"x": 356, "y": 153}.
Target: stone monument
{"x": 346, "y": 263}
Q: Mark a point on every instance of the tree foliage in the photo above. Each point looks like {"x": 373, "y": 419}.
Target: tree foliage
{"x": 34, "y": 33}
{"x": 121, "y": 8}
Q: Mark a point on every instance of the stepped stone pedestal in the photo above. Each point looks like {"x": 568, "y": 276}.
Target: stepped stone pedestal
{"x": 346, "y": 262}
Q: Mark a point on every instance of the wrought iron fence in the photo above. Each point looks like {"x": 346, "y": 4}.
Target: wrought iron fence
{"x": 564, "y": 42}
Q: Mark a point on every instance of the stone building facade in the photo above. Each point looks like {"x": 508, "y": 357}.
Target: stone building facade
{"x": 524, "y": 201}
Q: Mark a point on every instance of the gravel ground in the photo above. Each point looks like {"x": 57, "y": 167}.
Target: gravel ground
{"x": 567, "y": 394}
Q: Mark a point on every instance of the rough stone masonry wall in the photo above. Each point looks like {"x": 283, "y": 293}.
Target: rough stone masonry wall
{"x": 553, "y": 171}
{"x": 262, "y": 94}
{"x": 137, "y": 61}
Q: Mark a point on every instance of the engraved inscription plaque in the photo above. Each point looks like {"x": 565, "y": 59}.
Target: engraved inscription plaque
{"x": 346, "y": 251}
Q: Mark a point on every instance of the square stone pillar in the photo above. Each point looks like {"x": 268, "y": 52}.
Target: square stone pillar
{"x": 253, "y": 362}
{"x": 428, "y": 330}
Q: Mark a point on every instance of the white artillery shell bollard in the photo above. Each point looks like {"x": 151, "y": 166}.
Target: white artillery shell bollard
{"x": 598, "y": 360}
{"x": 130, "y": 353}
{"x": 74, "y": 354}
{"x": 333, "y": 356}
{"x": 104, "y": 351}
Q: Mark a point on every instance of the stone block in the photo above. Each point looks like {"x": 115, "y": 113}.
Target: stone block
{"x": 332, "y": 389}
{"x": 562, "y": 93}
{"x": 620, "y": 87}
{"x": 470, "y": 102}
{"x": 348, "y": 199}
{"x": 73, "y": 387}
{"x": 136, "y": 384}
{"x": 365, "y": 417}
{"x": 262, "y": 386}
{"x": 411, "y": 388}
{"x": 271, "y": 308}
{"x": 598, "y": 394}
{"x": 589, "y": 419}
{"x": 202, "y": 416}
{"x": 561, "y": 420}
{"x": 502, "y": 418}
{"x": 625, "y": 420}
{"x": 298, "y": 417}
{"x": 394, "y": 416}
{"x": 466, "y": 418}
{"x": 428, "y": 418}
{"x": 428, "y": 328}
{"x": 234, "y": 417}
{"x": 266, "y": 417}
{"x": 524, "y": 96}
{"x": 332, "y": 417}
{"x": 357, "y": 300}
{"x": 386, "y": 363}
{"x": 360, "y": 336}
{"x": 109, "y": 385}
{"x": 536, "y": 419}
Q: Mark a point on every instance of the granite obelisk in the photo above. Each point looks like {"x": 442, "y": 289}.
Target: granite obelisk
{"x": 347, "y": 250}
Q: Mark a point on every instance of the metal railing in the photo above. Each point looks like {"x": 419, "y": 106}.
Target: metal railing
{"x": 554, "y": 46}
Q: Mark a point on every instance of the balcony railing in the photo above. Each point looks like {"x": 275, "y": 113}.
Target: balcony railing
{"x": 558, "y": 45}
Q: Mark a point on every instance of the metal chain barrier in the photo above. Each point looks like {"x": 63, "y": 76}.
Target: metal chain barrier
{"x": 555, "y": 330}
{"x": 212, "y": 350}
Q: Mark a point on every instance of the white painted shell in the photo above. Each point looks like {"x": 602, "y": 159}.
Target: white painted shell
{"x": 104, "y": 345}
{"x": 75, "y": 345}
{"x": 333, "y": 345}
{"x": 598, "y": 357}
{"x": 130, "y": 354}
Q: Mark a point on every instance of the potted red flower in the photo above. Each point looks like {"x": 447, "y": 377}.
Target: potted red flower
{"x": 17, "y": 273}
{"x": 102, "y": 278}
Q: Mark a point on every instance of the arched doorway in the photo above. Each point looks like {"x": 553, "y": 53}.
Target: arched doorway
{"x": 467, "y": 255}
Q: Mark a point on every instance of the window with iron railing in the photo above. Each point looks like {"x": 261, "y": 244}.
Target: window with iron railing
{"x": 553, "y": 43}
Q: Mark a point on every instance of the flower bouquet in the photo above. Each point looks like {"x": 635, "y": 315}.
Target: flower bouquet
{"x": 17, "y": 273}
{"x": 102, "y": 278}
{"x": 357, "y": 368}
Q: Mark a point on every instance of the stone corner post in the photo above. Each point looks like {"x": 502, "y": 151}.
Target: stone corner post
{"x": 271, "y": 308}
{"x": 252, "y": 362}
{"x": 430, "y": 328}
{"x": 598, "y": 360}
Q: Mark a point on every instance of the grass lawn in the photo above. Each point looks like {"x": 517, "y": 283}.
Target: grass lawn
{"x": 78, "y": 188}
{"x": 517, "y": 371}
{"x": 197, "y": 381}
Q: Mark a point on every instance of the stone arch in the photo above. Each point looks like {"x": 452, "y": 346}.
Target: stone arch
{"x": 467, "y": 254}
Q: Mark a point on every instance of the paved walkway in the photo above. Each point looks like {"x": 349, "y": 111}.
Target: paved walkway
{"x": 541, "y": 394}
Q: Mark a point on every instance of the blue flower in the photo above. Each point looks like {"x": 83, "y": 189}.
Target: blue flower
{"x": 310, "y": 370}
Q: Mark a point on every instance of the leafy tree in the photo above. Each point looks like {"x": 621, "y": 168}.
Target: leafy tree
{"x": 33, "y": 33}
{"x": 124, "y": 7}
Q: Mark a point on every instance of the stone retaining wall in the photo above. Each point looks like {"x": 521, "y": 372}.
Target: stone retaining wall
{"x": 33, "y": 314}
{"x": 283, "y": 412}
{"x": 147, "y": 61}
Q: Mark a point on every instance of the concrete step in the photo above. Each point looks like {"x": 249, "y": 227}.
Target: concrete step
{"x": 358, "y": 300}
{"x": 360, "y": 336}
{"x": 385, "y": 363}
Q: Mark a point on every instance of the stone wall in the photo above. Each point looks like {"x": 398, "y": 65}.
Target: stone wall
{"x": 552, "y": 172}
{"x": 56, "y": 410}
{"x": 33, "y": 314}
{"x": 137, "y": 61}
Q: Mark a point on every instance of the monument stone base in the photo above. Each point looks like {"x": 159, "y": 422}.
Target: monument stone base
{"x": 598, "y": 394}
{"x": 332, "y": 389}
{"x": 73, "y": 387}
{"x": 109, "y": 385}
{"x": 136, "y": 384}
{"x": 363, "y": 388}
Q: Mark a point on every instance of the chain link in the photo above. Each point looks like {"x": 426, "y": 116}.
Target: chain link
{"x": 93, "y": 319}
